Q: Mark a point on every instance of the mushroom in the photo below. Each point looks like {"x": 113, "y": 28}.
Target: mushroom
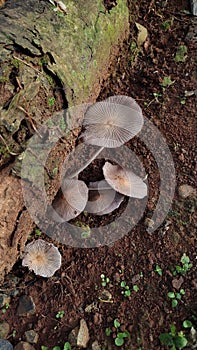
{"x": 111, "y": 123}
{"x": 70, "y": 200}
{"x": 42, "y": 257}
{"x": 103, "y": 199}
{"x": 124, "y": 181}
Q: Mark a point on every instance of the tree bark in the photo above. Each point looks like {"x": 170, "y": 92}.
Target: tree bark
{"x": 44, "y": 53}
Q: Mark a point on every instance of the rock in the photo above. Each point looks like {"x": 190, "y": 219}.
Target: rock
{"x": 83, "y": 335}
{"x": 72, "y": 337}
{"x": 5, "y": 345}
{"x": 4, "y": 299}
{"x": 4, "y": 330}
{"x": 149, "y": 223}
{"x": 24, "y": 346}
{"x": 193, "y": 4}
{"x": 96, "y": 346}
{"x": 186, "y": 191}
{"x": 26, "y": 306}
{"x": 177, "y": 282}
{"x": 31, "y": 336}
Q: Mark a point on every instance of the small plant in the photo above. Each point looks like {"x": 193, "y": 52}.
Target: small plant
{"x": 51, "y": 101}
{"x": 174, "y": 339}
{"x": 67, "y": 346}
{"x": 175, "y": 297}
{"x": 184, "y": 268}
{"x": 14, "y": 333}
{"x": 135, "y": 288}
{"x": 181, "y": 54}
{"x": 126, "y": 288}
{"x": 166, "y": 25}
{"x": 6, "y": 307}
{"x": 60, "y": 314}
{"x": 37, "y": 232}
{"x": 43, "y": 347}
{"x": 166, "y": 82}
{"x": 104, "y": 280}
{"x": 56, "y": 348}
{"x": 158, "y": 270}
{"x": 118, "y": 336}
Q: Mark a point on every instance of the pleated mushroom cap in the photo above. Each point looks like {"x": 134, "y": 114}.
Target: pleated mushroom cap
{"x": 111, "y": 123}
{"x": 72, "y": 201}
{"x": 124, "y": 181}
{"x": 103, "y": 198}
{"x": 42, "y": 257}
{"x": 126, "y": 101}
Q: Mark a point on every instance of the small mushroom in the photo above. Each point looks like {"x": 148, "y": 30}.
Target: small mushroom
{"x": 103, "y": 199}
{"x": 110, "y": 124}
{"x": 42, "y": 257}
{"x": 124, "y": 181}
{"x": 70, "y": 200}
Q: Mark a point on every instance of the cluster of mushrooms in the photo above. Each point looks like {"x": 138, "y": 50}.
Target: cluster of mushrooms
{"x": 107, "y": 124}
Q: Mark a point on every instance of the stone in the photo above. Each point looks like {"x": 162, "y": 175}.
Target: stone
{"x": 186, "y": 191}
{"x": 4, "y": 330}
{"x": 31, "y": 336}
{"x": 177, "y": 282}
{"x": 22, "y": 345}
{"x": 83, "y": 335}
{"x": 72, "y": 337}
{"x": 4, "y": 299}
{"x": 193, "y": 4}
{"x": 96, "y": 346}
{"x": 5, "y": 345}
{"x": 26, "y": 306}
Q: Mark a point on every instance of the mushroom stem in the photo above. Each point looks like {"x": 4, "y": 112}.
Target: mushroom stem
{"x": 89, "y": 161}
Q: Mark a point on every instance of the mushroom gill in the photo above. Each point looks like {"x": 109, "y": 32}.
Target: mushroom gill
{"x": 124, "y": 181}
{"x": 42, "y": 257}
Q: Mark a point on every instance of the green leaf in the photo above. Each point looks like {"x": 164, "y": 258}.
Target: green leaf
{"x": 56, "y": 348}
{"x": 171, "y": 295}
{"x": 123, "y": 284}
{"x": 182, "y": 291}
{"x": 185, "y": 259}
{"x": 122, "y": 335}
{"x": 158, "y": 270}
{"x": 166, "y": 339}
{"x": 173, "y": 330}
{"x": 181, "y": 54}
{"x": 174, "y": 303}
{"x": 67, "y": 346}
{"x": 135, "y": 288}
{"x": 116, "y": 323}
{"x": 187, "y": 324}
{"x": 166, "y": 82}
{"x": 180, "y": 341}
{"x": 119, "y": 341}
{"x": 127, "y": 293}
{"x": 108, "y": 331}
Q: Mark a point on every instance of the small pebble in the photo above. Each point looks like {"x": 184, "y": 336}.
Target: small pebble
{"x": 96, "y": 346}
{"x": 4, "y": 299}
{"x": 4, "y": 330}
{"x": 186, "y": 191}
{"x": 83, "y": 335}
{"x": 26, "y": 306}
{"x": 31, "y": 336}
{"x": 24, "y": 346}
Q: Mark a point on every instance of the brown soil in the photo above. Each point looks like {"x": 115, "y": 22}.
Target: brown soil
{"x": 147, "y": 313}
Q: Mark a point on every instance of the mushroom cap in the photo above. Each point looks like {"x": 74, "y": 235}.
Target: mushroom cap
{"x": 101, "y": 197}
{"x": 42, "y": 257}
{"x": 114, "y": 204}
{"x": 126, "y": 101}
{"x": 124, "y": 181}
{"x": 72, "y": 200}
{"x": 112, "y": 122}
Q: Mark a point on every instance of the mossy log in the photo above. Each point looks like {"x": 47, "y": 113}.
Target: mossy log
{"x": 43, "y": 49}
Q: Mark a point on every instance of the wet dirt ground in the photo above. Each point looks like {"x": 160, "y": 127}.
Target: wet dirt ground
{"x": 163, "y": 82}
